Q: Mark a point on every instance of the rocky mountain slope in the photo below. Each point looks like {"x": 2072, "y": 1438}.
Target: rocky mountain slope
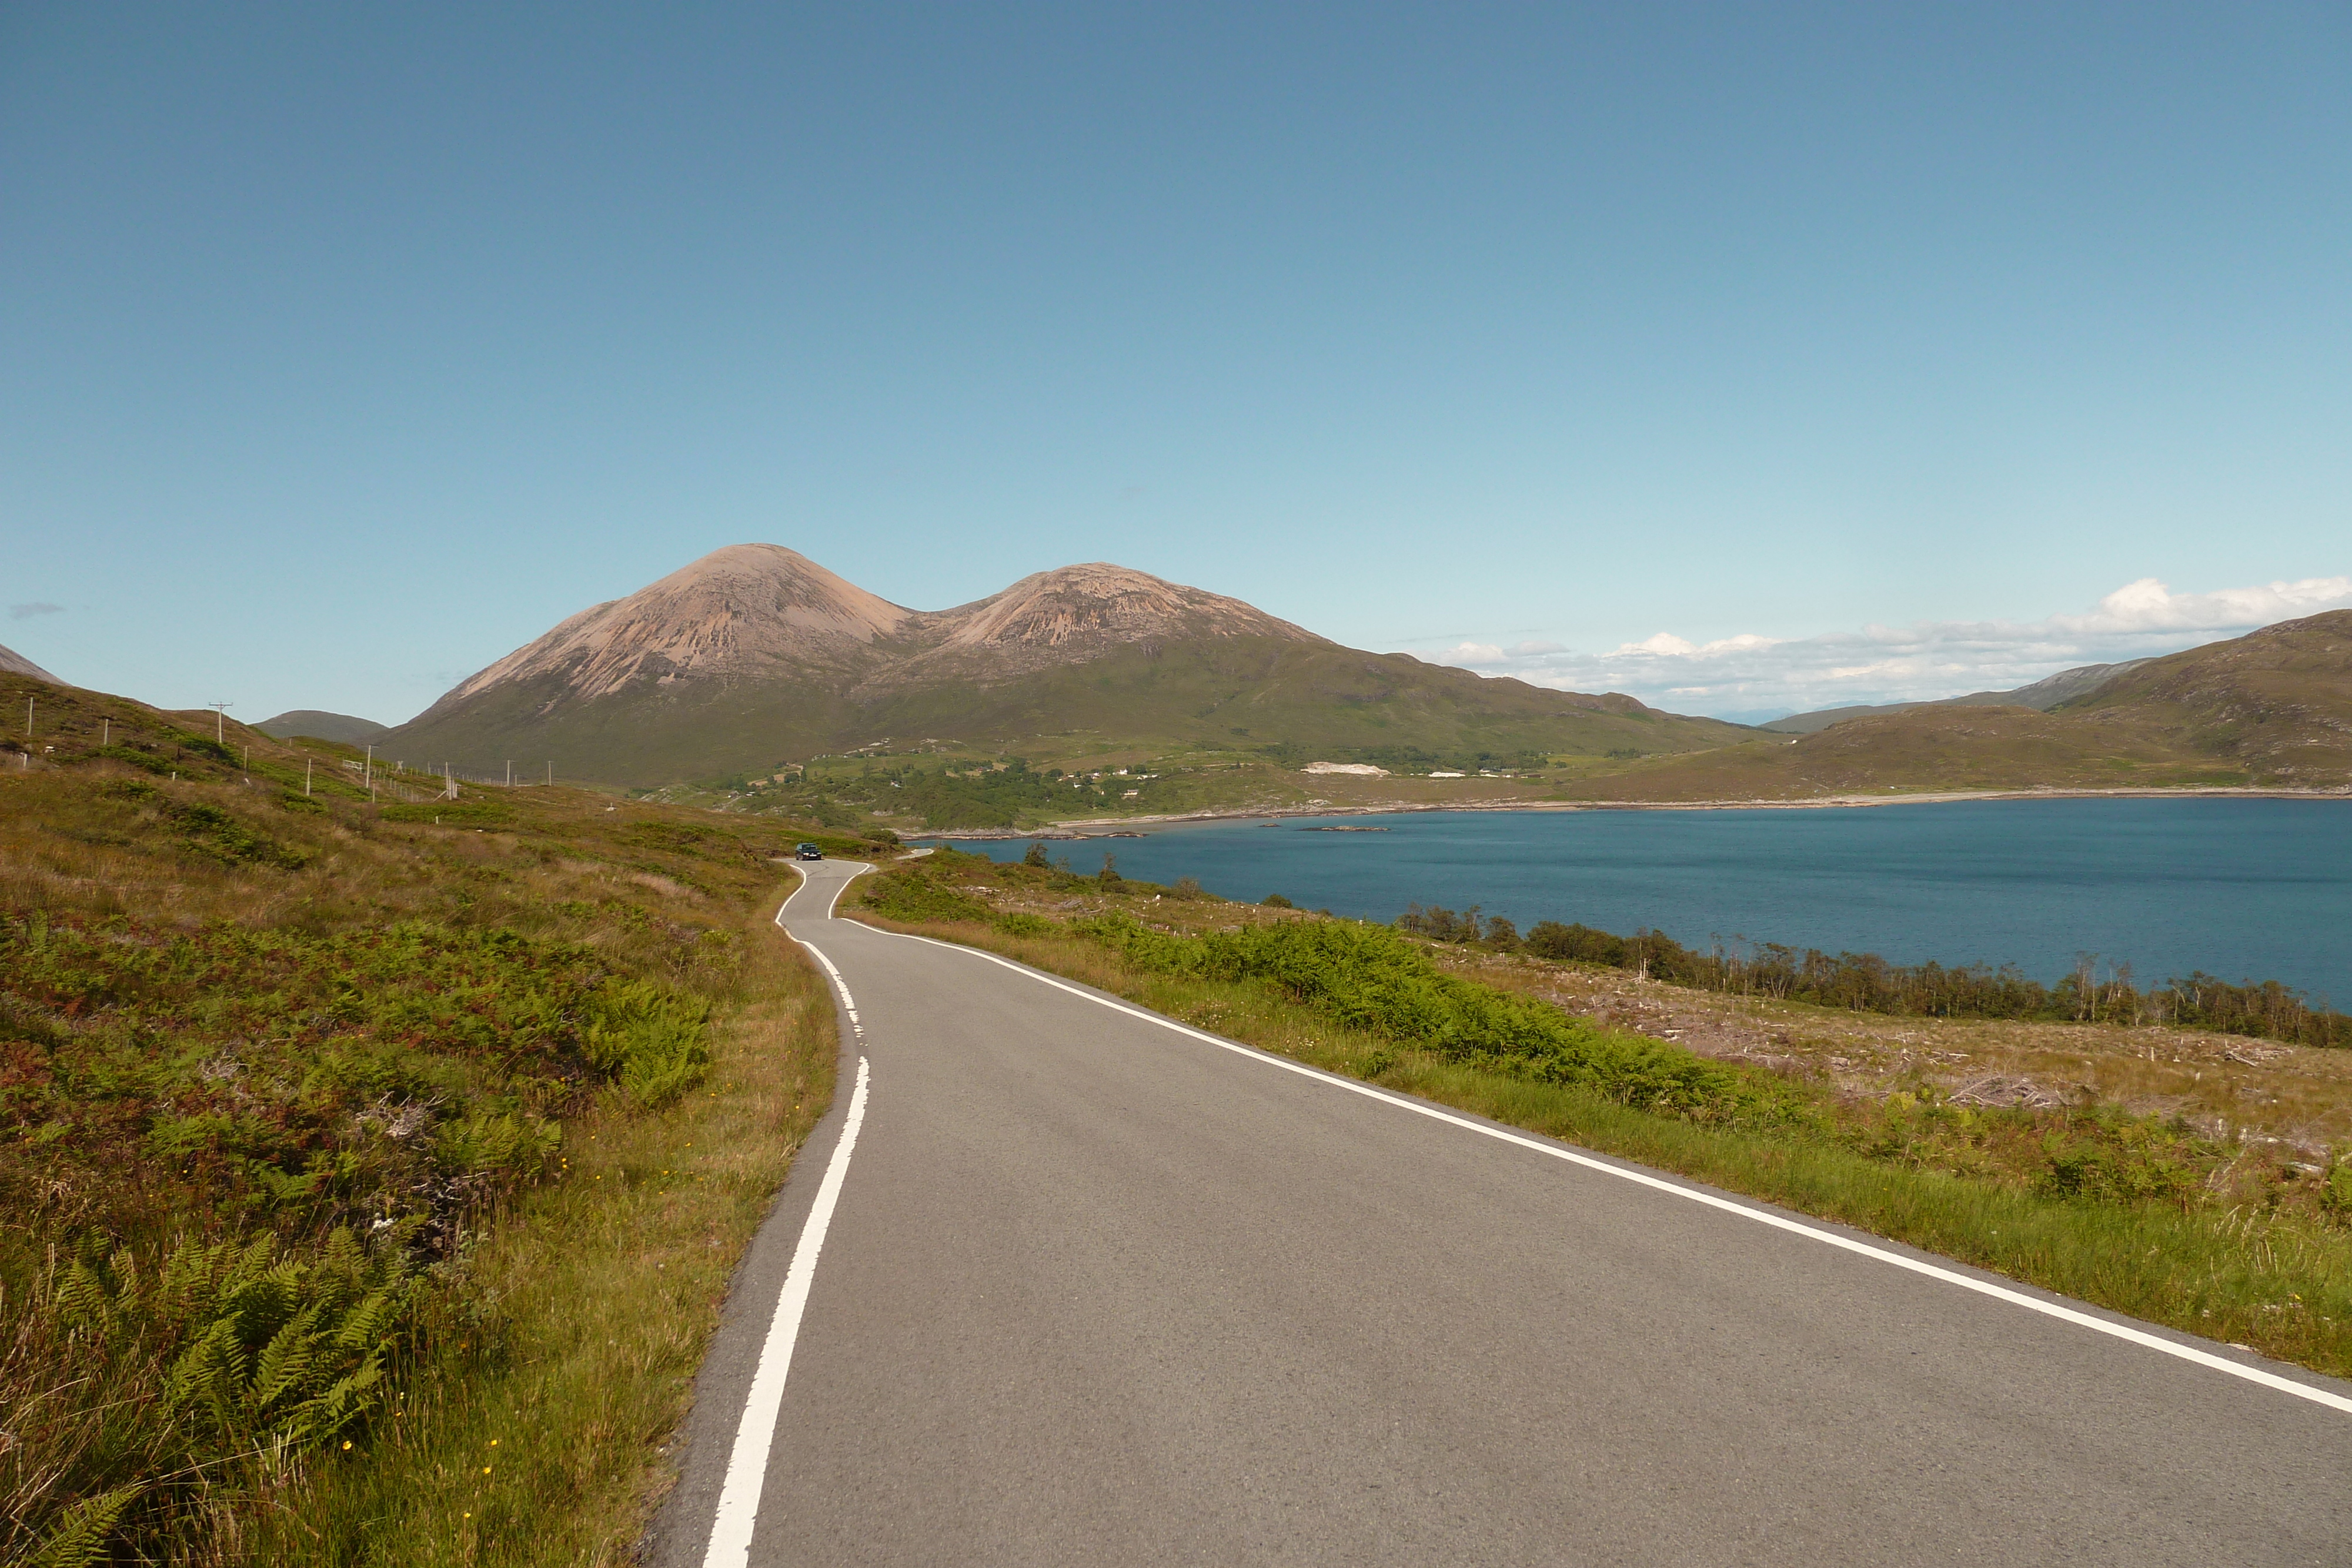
{"x": 15, "y": 663}
{"x": 748, "y": 612}
{"x": 756, "y": 656}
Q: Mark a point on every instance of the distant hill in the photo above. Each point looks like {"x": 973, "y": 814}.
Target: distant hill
{"x": 1960, "y": 748}
{"x": 2276, "y": 701}
{"x": 2271, "y": 708}
{"x": 755, "y": 655}
{"x": 15, "y": 663}
{"x": 320, "y": 726}
{"x": 2042, "y": 695}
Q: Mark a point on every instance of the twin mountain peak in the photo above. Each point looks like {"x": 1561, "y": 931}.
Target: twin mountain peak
{"x": 755, "y": 655}
{"x": 762, "y": 612}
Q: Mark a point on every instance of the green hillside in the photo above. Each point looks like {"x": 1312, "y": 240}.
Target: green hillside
{"x": 1923, "y": 751}
{"x": 2270, "y": 709}
{"x": 2277, "y": 703}
{"x": 348, "y": 728}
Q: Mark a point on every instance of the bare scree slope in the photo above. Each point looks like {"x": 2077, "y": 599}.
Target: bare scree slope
{"x": 755, "y": 654}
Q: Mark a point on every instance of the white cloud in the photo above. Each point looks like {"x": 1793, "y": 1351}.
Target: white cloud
{"x": 1666, "y": 644}
{"x": 1752, "y": 676}
{"x": 2147, "y": 605}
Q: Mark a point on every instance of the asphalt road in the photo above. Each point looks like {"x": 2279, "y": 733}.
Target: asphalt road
{"x": 1092, "y": 1290}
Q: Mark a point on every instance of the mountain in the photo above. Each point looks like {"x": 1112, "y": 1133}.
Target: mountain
{"x": 755, "y": 655}
{"x": 1073, "y": 616}
{"x": 2042, "y": 695}
{"x": 322, "y": 725}
{"x": 745, "y": 613}
{"x": 2273, "y": 709}
{"x": 15, "y": 663}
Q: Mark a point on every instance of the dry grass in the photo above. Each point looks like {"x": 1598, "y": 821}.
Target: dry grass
{"x": 2298, "y": 1097}
{"x": 564, "y": 1320}
{"x": 539, "y": 1440}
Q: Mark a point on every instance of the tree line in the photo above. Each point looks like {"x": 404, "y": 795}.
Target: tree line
{"x": 1866, "y": 982}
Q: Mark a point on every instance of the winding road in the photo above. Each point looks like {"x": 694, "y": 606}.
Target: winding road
{"x": 1057, "y": 1281}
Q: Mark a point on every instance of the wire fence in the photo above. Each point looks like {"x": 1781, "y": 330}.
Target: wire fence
{"x": 405, "y": 783}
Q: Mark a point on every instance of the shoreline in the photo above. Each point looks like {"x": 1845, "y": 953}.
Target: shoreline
{"x": 1112, "y": 826}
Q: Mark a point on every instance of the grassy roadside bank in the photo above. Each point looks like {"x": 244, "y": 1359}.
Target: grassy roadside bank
{"x": 368, "y": 1183}
{"x": 2115, "y": 1210}
{"x": 534, "y": 1439}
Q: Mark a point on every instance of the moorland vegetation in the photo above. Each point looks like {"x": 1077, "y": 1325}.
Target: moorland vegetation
{"x": 371, "y": 1169}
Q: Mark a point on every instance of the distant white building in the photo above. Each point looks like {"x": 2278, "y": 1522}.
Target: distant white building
{"x": 1362, "y": 769}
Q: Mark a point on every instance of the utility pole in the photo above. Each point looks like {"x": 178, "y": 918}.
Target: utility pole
{"x": 105, "y": 732}
{"x": 306, "y": 778}
{"x": 509, "y": 775}
{"x": 551, "y": 773}
{"x": 220, "y": 721}
{"x": 28, "y": 718}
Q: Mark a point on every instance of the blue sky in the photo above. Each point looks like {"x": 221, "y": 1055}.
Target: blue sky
{"x": 1749, "y": 358}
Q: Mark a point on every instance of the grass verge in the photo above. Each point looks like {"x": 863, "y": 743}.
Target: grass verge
{"x": 532, "y": 1437}
{"x": 368, "y": 1183}
{"x": 2279, "y": 1282}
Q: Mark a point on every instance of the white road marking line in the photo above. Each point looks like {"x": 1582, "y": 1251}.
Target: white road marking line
{"x": 747, "y": 1466}
{"x": 847, "y": 1003}
{"x": 1982, "y": 1287}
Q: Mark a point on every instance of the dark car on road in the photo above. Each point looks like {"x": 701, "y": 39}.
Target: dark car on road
{"x": 808, "y": 852}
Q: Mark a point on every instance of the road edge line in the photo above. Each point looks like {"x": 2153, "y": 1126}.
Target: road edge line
{"x": 2141, "y": 1337}
{"x": 738, "y": 1512}
{"x": 747, "y": 1463}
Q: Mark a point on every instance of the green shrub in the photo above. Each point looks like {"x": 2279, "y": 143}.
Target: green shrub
{"x": 135, "y": 758}
{"x": 222, "y": 1361}
{"x": 652, "y": 1042}
{"x": 2335, "y": 1198}
{"x": 1019, "y": 925}
{"x": 915, "y": 899}
{"x": 216, "y": 835}
{"x": 1371, "y": 978}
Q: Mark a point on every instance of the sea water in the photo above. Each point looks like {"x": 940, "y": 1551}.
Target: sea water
{"x": 2242, "y": 889}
